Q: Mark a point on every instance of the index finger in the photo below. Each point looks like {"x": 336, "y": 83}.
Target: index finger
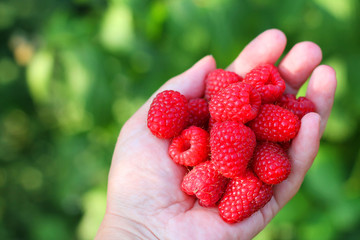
{"x": 265, "y": 48}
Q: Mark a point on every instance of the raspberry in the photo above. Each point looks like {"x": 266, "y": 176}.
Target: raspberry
{"x": 217, "y": 80}
{"x": 271, "y": 163}
{"x": 274, "y": 123}
{"x": 232, "y": 145}
{"x": 299, "y": 107}
{"x": 238, "y": 102}
{"x": 191, "y": 147}
{"x": 267, "y": 81}
{"x": 199, "y": 112}
{"x": 206, "y": 183}
{"x": 285, "y": 145}
{"x": 211, "y": 123}
{"x": 168, "y": 114}
{"x": 244, "y": 196}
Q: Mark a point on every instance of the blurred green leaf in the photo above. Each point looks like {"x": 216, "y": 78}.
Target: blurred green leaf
{"x": 117, "y": 28}
{"x": 343, "y": 10}
{"x": 94, "y": 203}
{"x": 39, "y": 73}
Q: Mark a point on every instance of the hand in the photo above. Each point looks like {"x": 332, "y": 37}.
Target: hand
{"x": 144, "y": 197}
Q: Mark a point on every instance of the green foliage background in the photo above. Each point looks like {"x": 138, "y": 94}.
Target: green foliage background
{"x": 73, "y": 71}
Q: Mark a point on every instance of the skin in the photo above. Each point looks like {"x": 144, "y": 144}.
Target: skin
{"x": 144, "y": 198}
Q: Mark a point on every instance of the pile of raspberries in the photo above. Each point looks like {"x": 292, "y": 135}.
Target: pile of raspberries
{"x": 234, "y": 141}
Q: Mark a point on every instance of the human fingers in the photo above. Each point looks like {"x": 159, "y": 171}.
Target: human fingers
{"x": 265, "y": 48}
{"x": 321, "y": 91}
{"x": 298, "y": 64}
{"x": 302, "y": 153}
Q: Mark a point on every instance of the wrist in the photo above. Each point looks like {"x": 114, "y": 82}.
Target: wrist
{"x": 118, "y": 227}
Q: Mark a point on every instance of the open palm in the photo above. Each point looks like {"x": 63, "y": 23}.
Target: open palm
{"x": 144, "y": 196}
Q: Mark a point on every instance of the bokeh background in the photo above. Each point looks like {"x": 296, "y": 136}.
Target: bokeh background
{"x": 73, "y": 71}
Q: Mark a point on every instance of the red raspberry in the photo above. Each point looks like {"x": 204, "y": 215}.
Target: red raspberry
{"x": 191, "y": 147}
{"x": 271, "y": 163}
{"x": 217, "y": 80}
{"x": 206, "y": 183}
{"x": 285, "y": 145}
{"x": 244, "y": 196}
{"x": 211, "y": 123}
{"x": 232, "y": 145}
{"x": 238, "y": 102}
{"x": 168, "y": 114}
{"x": 199, "y": 112}
{"x": 274, "y": 123}
{"x": 267, "y": 81}
{"x": 299, "y": 107}
{"x": 264, "y": 196}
